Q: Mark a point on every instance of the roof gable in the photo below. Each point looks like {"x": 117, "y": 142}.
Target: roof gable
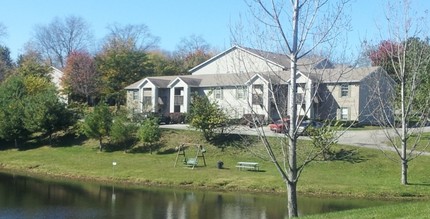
{"x": 236, "y": 60}
{"x": 243, "y": 59}
{"x": 254, "y": 78}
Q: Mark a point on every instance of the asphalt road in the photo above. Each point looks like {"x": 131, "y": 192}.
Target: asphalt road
{"x": 375, "y": 139}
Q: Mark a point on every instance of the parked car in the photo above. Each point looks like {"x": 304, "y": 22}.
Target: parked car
{"x": 280, "y": 126}
{"x": 302, "y": 128}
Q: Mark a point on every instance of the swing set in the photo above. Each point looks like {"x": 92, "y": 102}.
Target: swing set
{"x": 192, "y": 161}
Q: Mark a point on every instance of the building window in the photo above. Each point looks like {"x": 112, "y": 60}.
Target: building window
{"x": 300, "y": 98}
{"x": 257, "y": 94}
{"x": 344, "y": 113}
{"x": 135, "y": 94}
{"x": 344, "y": 90}
{"x": 147, "y": 98}
{"x": 178, "y": 98}
{"x": 241, "y": 92}
{"x": 218, "y": 93}
{"x": 178, "y": 91}
{"x": 177, "y": 109}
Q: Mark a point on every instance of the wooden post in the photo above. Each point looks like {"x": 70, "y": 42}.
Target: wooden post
{"x": 180, "y": 149}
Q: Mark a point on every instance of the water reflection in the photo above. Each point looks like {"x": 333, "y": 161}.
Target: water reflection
{"x": 24, "y": 197}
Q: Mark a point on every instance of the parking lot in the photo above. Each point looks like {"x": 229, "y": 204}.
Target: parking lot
{"x": 375, "y": 139}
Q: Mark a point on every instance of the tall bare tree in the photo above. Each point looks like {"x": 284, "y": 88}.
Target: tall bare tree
{"x": 130, "y": 37}
{"x": 192, "y": 51}
{"x": 61, "y": 37}
{"x": 298, "y": 30}
{"x": 406, "y": 52}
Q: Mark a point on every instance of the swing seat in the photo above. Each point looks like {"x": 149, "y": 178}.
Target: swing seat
{"x": 192, "y": 161}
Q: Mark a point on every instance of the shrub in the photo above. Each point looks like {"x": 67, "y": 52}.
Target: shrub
{"x": 206, "y": 116}
{"x": 177, "y": 118}
{"x": 122, "y": 132}
{"x": 149, "y": 132}
{"x": 98, "y": 123}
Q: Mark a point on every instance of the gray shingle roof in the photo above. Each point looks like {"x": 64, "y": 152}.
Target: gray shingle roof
{"x": 314, "y": 67}
{"x": 341, "y": 75}
{"x": 281, "y": 60}
{"x": 135, "y": 85}
{"x": 334, "y": 75}
{"x": 160, "y": 82}
{"x": 284, "y": 60}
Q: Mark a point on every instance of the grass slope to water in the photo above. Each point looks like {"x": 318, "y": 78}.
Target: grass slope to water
{"x": 416, "y": 210}
{"x": 367, "y": 173}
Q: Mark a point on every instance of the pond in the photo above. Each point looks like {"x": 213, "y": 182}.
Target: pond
{"x": 29, "y": 197}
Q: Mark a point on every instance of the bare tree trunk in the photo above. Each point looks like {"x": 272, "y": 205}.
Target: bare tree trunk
{"x": 292, "y": 199}
{"x": 404, "y": 158}
{"x": 277, "y": 16}
{"x": 404, "y": 171}
{"x": 101, "y": 144}
{"x": 292, "y": 147}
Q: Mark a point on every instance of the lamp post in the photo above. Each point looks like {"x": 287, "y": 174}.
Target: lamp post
{"x": 113, "y": 168}
{"x": 113, "y": 186}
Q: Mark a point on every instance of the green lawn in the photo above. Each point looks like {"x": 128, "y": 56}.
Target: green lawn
{"x": 421, "y": 140}
{"x": 367, "y": 173}
{"x": 415, "y": 210}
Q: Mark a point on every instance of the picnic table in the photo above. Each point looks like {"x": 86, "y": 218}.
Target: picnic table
{"x": 248, "y": 165}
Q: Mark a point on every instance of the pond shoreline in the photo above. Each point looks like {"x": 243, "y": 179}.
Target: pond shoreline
{"x": 144, "y": 184}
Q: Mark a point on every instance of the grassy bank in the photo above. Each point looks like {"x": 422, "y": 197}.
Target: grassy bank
{"x": 366, "y": 173}
{"x": 416, "y": 210}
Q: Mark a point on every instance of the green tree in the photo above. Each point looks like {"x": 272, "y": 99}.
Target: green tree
{"x": 6, "y": 63}
{"x": 206, "y": 116}
{"x": 43, "y": 110}
{"x": 162, "y": 64}
{"x": 98, "y": 123}
{"x": 149, "y": 132}
{"x": 123, "y": 59}
{"x": 30, "y": 104}
{"x": 323, "y": 138}
{"x": 31, "y": 64}
{"x": 122, "y": 131}
{"x": 12, "y": 92}
{"x": 119, "y": 69}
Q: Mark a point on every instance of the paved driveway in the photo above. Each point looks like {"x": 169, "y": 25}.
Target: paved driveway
{"x": 375, "y": 139}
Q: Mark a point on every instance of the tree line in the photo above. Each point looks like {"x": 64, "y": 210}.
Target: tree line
{"x": 29, "y": 102}
{"x": 126, "y": 54}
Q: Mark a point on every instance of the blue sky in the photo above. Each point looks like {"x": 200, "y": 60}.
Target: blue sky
{"x": 170, "y": 20}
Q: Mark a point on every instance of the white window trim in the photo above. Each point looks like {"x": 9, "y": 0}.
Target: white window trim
{"x": 348, "y": 91}
{"x": 135, "y": 94}
{"x": 241, "y": 92}
{"x": 218, "y": 93}
{"x": 347, "y": 114}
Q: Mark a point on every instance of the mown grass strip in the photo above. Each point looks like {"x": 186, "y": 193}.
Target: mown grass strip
{"x": 366, "y": 173}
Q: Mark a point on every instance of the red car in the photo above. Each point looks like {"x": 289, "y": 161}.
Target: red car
{"x": 279, "y": 125}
